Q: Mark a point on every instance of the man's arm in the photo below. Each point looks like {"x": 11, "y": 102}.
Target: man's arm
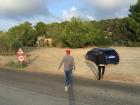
{"x": 61, "y": 64}
{"x": 74, "y": 64}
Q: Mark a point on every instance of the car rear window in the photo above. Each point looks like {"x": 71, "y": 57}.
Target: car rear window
{"x": 111, "y": 52}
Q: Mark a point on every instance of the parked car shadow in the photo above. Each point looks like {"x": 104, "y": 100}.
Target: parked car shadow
{"x": 92, "y": 67}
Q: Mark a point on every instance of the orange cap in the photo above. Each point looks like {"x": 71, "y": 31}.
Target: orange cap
{"x": 68, "y": 51}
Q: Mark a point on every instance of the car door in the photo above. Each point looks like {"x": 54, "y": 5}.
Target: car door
{"x": 93, "y": 56}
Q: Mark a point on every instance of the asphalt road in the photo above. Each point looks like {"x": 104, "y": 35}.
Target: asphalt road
{"x": 26, "y": 88}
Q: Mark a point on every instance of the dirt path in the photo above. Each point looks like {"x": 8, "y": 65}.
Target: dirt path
{"x": 48, "y": 59}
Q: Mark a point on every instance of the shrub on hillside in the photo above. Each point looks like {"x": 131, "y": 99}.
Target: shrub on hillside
{"x": 133, "y": 44}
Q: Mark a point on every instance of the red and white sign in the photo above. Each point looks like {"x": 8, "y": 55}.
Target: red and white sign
{"x": 20, "y": 55}
{"x": 21, "y": 58}
{"x": 20, "y": 52}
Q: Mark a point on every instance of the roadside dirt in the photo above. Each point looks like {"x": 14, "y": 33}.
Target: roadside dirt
{"x": 48, "y": 59}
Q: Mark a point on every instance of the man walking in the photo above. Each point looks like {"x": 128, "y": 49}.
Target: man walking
{"x": 69, "y": 65}
{"x": 100, "y": 62}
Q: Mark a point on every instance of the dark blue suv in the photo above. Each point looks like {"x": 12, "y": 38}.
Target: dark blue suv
{"x": 112, "y": 57}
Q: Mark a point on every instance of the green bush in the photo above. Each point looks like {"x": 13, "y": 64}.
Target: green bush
{"x": 17, "y": 37}
{"x": 16, "y": 64}
{"x": 133, "y": 44}
{"x": 9, "y": 44}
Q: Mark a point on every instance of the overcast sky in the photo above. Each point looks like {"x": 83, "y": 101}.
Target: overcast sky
{"x": 13, "y": 12}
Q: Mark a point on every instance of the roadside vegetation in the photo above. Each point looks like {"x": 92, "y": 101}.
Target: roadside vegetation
{"x": 16, "y": 64}
{"x": 76, "y": 33}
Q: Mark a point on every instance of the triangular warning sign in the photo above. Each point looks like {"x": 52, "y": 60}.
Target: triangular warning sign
{"x": 20, "y": 51}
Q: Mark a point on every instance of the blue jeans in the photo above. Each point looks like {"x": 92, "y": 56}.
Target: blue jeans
{"x": 68, "y": 77}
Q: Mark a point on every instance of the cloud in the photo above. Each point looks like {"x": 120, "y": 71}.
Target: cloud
{"x": 68, "y": 14}
{"x": 16, "y": 9}
{"x": 90, "y": 17}
{"x": 99, "y": 9}
{"x": 102, "y": 9}
{"x": 13, "y": 12}
{"x": 73, "y": 12}
{"x": 109, "y": 5}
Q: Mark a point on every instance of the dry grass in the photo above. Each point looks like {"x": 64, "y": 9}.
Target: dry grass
{"x": 48, "y": 59}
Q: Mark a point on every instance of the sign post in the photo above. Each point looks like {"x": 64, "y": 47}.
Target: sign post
{"x": 20, "y": 56}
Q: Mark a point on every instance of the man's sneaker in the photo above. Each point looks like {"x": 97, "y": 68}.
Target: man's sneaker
{"x": 66, "y": 88}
